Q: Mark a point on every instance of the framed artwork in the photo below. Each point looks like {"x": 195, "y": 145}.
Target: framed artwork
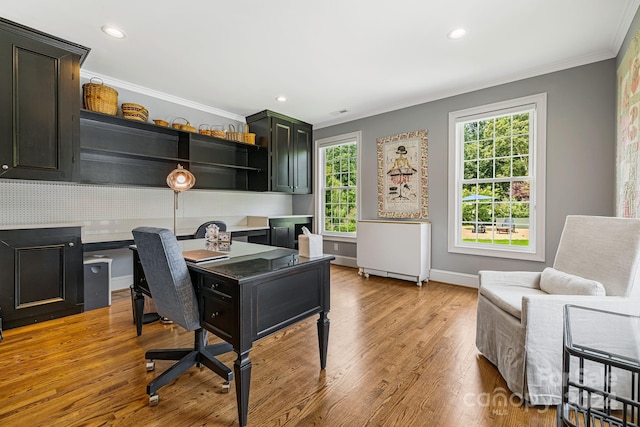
{"x": 402, "y": 175}
{"x": 628, "y": 133}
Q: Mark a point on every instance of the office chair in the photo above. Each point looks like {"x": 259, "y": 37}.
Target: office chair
{"x": 174, "y": 296}
{"x": 200, "y": 232}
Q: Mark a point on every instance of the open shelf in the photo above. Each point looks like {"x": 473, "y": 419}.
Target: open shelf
{"x": 121, "y": 151}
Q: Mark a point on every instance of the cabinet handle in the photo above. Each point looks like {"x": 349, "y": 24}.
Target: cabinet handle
{"x": 71, "y": 244}
{"x": 213, "y": 315}
{"x": 214, "y": 286}
{"x": 5, "y": 167}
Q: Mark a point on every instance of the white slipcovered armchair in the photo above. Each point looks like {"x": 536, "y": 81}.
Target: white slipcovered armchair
{"x": 520, "y": 314}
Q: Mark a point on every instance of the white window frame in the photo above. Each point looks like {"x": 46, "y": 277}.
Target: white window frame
{"x": 319, "y": 173}
{"x": 536, "y": 249}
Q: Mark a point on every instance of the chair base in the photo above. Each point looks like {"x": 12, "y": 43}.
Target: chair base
{"x": 200, "y": 354}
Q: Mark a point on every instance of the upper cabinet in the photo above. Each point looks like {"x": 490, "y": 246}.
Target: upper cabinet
{"x": 115, "y": 150}
{"x": 290, "y": 146}
{"x": 39, "y": 104}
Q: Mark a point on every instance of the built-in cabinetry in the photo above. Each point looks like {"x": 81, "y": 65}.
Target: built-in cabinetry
{"x": 398, "y": 249}
{"x": 39, "y": 104}
{"x": 121, "y": 151}
{"x": 41, "y": 275}
{"x": 290, "y": 152}
{"x": 284, "y": 231}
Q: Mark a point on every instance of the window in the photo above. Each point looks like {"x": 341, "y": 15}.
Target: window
{"x": 337, "y": 185}
{"x": 496, "y": 179}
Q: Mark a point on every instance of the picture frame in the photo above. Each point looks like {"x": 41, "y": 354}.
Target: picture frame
{"x": 402, "y": 175}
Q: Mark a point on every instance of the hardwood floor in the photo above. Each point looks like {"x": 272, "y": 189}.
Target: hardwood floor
{"x": 399, "y": 355}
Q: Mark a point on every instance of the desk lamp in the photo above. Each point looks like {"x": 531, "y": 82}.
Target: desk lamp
{"x": 179, "y": 180}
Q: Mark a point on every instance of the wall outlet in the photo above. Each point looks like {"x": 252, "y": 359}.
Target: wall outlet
{"x": 335, "y": 246}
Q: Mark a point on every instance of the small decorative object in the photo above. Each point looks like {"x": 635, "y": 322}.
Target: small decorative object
{"x": 217, "y": 246}
{"x": 402, "y": 175}
{"x": 212, "y": 232}
{"x": 100, "y": 98}
{"x": 204, "y": 129}
{"x": 134, "y": 112}
{"x": 250, "y": 138}
{"x": 224, "y": 236}
{"x": 185, "y": 127}
{"x": 161, "y": 122}
{"x": 218, "y": 131}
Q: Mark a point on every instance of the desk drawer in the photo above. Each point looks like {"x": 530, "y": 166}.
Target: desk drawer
{"x": 223, "y": 289}
{"x": 217, "y": 313}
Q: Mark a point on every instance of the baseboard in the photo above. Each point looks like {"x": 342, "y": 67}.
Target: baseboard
{"x": 344, "y": 260}
{"x": 121, "y": 282}
{"x": 460, "y": 279}
{"x": 453, "y": 278}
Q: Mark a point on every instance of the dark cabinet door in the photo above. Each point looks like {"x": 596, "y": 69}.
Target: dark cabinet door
{"x": 39, "y": 107}
{"x": 40, "y": 275}
{"x": 301, "y": 159}
{"x": 290, "y": 146}
{"x": 282, "y": 235}
{"x": 282, "y": 168}
{"x": 285, "y": 230}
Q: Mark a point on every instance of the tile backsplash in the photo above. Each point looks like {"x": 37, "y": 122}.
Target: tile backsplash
{"x": 43, "y": 202}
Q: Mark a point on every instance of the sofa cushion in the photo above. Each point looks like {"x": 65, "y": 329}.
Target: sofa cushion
{"x": 560, "y": 283}
{"x": 508, "y": 297}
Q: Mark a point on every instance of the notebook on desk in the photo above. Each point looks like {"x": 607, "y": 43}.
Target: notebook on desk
{"x": 201, "y": 255}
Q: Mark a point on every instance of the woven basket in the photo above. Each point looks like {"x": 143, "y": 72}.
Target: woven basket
{"x": 161, "y": 122}
{"x": 100, "y": 98}
{"x": 134, "y": 112}
{"x": 185, "y": 127}
{"x": 250, "y": 138}
{"x": 205, "y": 131}
{"x": 218, "y": 131}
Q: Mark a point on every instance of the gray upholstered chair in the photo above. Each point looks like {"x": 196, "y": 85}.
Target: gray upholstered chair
{"x": 520, "y": 313}
{"x": 200, "y": 232}
{"x": 175, "y": 298}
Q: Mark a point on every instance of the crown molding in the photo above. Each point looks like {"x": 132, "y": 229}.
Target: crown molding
{"x": 88, "y": 74}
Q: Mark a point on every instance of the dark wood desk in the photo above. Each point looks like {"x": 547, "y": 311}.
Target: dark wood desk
{"x": 259, "y": 290}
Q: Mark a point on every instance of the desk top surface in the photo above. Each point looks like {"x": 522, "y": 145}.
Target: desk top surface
{"x": 246, "y": 260}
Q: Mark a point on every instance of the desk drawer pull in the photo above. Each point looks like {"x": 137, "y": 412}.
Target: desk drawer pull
{"x": 214, "y": 314}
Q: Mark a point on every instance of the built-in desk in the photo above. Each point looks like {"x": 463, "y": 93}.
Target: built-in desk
{"x": 259, "y": 290}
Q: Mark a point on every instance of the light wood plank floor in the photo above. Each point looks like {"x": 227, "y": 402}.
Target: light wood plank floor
{"x": 399, "y": 355}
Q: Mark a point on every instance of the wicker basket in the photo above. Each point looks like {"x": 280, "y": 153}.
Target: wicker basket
{"x": 250, "y": 138}
{"x": 185, "y": 127}
{"x": 100, "y": 98}
{"x": 218, "y": 131}
{"x": 134, "y": 112}
{"x": 161, "y": 122}
{"x": 205, "y": 131}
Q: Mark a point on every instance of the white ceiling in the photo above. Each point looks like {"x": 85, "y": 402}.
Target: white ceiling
{"x": 365, "y": 56}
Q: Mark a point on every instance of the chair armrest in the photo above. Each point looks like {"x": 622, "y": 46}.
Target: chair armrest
{"x": 548, "y": 309}
{"x": 527, "y": 279}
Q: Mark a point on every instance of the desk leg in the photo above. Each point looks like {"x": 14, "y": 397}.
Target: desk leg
{"x": 242, "y": 374}
{"x": 138, "y": 311}
{"x": 323, "y": 338}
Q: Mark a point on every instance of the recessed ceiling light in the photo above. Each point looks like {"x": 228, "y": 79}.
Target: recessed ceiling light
{"x": 281, "y": 98}
{"x": 457, "y": 33}
{"x": 113, "y": 31}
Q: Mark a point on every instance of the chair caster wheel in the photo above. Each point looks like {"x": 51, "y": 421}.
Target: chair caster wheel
{"x": 151, "y": 365}
{"x": 154, "y": 399}
{"x": 226, "y": 387}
